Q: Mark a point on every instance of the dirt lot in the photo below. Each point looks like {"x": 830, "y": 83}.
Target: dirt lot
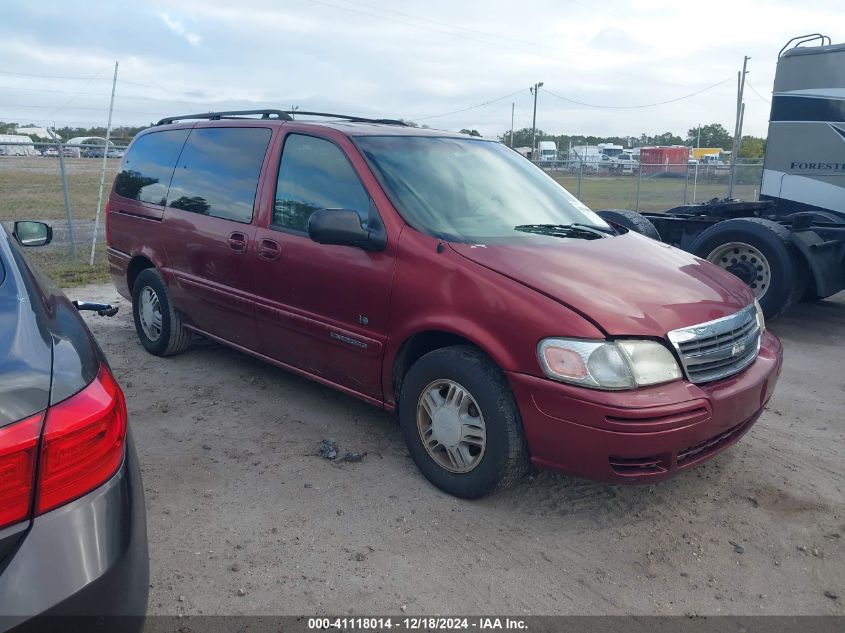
{"x": 244, "y": 518}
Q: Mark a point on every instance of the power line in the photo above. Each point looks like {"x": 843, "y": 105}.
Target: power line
{"x": 102, "y": 94}
{"x": 74, "y": 97}
{"x": 641, "y": 105}
{"x": 437, "y": 116}
{"x": 95, "y": 108}
{"x": 754, "y": 90}
{"x": 449, "y": 26}
{"x": 97, "y": 78}
{"x": 451, "y": 33}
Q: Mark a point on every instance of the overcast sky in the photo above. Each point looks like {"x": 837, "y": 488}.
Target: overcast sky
{"x": 403, "y": 59}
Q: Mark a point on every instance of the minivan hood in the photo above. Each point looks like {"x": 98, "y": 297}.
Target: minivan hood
{"x": 627, "y": 284}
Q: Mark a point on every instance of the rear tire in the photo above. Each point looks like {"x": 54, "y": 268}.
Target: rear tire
{"x": 757, "y": 243}
{"x": 496, "y": 455}
{"x": 158, "y": 325}
{"x": 632, "y": 221}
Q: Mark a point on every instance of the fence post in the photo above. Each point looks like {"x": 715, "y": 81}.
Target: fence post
{"x": 639, "y": 180}
{"x": 68, "y": 211}
{"x": 580, "y": 177}
{"x": 686, "y": 184}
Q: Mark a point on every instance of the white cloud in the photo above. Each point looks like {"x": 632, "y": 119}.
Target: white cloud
{"x": 179, "y": 29}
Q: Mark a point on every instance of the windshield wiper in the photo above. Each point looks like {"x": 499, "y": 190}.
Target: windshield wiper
{"x": 565, "y": 230}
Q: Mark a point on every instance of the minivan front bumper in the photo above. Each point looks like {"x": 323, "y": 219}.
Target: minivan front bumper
{"x": 644, "y": 435}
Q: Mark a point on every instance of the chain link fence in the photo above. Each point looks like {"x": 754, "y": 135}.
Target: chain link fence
{"x": 655, "y": 188}
{"x": 59, "y": 184}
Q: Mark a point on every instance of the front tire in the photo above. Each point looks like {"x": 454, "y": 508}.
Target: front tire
{"x": 158, "y": 325}
{"x": 461, "y": 424}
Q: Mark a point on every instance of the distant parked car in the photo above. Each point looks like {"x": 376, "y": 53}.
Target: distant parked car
{"x": 97, "y": 152}
{"x": 73, "y": 537}
{"x": 624, "y": 163}
{"x": 50, "y": 151}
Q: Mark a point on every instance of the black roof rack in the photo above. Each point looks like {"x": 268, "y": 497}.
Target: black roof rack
{"x": 279, "y": 115}
{"x": 214, "y": 116}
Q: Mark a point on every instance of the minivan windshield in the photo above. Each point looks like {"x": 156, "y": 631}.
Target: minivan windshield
{"x": 470, "y": 190}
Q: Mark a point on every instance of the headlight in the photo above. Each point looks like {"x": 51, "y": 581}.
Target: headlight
{"x": 761, "y": 322}
{"x": 622, "y": 364}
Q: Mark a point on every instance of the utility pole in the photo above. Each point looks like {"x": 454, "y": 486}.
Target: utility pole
{"x": 103, "y": 171}
{"x": 512, "y": 106}
{"x": 534, "y": 90}
{"x": 740, "y": 112}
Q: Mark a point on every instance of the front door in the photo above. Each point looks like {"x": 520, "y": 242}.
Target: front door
{"x": 320, "y": 308}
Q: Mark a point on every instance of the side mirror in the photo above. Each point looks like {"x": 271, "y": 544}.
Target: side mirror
{"x": 343, "y": 227}
{"x": 30, "y": 233}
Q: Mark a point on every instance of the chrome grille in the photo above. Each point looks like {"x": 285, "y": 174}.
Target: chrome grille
{"x": 718, "y": 349}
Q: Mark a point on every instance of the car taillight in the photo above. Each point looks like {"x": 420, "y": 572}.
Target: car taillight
{"x": 18, "y": 456}
{"x": 80, "y": 448}
{"x": 82, "y": 444}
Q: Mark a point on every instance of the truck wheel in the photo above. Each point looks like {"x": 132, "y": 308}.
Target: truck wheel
{"x": 631, "y": 220}
{"x": 759, "y": 253}
{"x": 157, "y": 323}
{"x": 461, "y": 423}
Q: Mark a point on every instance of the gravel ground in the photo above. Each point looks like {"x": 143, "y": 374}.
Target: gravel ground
{"x": 245, "y": 518}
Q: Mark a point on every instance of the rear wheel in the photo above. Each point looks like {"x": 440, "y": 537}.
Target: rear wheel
{"x": 631, "y": 220}
{"x": 759, "y": 253}
{"x": 461, "y": 424}
{"x": 158, "y": 325}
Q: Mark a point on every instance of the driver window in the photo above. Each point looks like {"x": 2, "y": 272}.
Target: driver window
{"x": 315, "y": 174}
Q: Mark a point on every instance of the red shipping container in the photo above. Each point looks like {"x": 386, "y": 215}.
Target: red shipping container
{"x": 670, "y": 159}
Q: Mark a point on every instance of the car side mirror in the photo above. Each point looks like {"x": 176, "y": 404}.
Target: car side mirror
{"x": 30, "y": 233}
{"x": 343, "y": 227}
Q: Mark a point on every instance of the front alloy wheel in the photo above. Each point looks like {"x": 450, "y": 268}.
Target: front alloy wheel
{"x": 451, "y": 426}
{"x": 460, "y": 422}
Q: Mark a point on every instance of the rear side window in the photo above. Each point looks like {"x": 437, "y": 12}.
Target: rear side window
{"x": 145, "y": 171}
{"x": 315, "y": 174}
{"x": 218, "y": 171}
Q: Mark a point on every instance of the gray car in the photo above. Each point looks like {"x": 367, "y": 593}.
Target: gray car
{"x": 73, "y": 537}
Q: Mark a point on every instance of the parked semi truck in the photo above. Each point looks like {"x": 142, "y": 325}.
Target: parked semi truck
{"x": 789, "y": 245}
{"x": 547, "y": 152}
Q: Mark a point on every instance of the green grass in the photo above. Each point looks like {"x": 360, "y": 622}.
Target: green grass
{"x": 67, "y": 272}
{"x": 31, "y": 187}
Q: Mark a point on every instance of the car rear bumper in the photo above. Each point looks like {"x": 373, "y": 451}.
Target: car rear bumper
{"x": 644, "y": 435}
{"x": 87, "y": 558}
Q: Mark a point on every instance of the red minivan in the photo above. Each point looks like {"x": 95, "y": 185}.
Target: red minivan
{"x": 445, "y": 278}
